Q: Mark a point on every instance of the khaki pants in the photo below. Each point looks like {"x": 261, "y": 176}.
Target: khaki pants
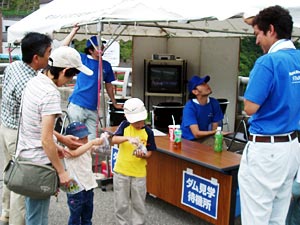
{"x": 13, "y": 205}
{"x": 129, "y": 199}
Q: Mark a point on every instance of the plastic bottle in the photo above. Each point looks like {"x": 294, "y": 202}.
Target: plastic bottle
{"x": 218, "y": 146}
{"x": 177, "y": 136}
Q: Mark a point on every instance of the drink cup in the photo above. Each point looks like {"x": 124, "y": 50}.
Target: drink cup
{"x": 171, "y": 132}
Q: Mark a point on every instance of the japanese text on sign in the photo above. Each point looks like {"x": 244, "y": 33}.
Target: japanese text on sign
{"x": 200, "y": 194}
{"x": 113, "y": 157}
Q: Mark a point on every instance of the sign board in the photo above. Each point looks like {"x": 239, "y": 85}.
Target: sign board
{"x": 112, "y": 53}
{"x": 200, "y": 194}
{"x": 113, "y": 157}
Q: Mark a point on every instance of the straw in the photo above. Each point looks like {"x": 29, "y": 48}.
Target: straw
{"x": 152, "y": 119}
{"x": 173, "y": 120}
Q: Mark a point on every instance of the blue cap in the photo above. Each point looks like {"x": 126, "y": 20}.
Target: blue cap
{"x": 90, "y": 40}
{"x": 93, "y": 40}
{"x": 196, "y": 80}
{"x": 77, "y": 129}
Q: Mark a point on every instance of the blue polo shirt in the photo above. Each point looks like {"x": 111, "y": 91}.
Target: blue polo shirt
{"x": 202, "y": 115}
{"x": 274, "y": 84}
{"x": 85, "y": 92}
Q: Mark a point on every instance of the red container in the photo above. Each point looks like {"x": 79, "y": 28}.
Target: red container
{"x": 104, "y": 169}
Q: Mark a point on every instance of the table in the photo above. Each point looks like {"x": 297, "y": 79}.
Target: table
{"x": 166, "y": 165}
{"x": 164, "y": 175}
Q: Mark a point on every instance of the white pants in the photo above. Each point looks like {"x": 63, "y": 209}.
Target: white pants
{"x": 129, "y": 199}
{"x": 265, "y": 180}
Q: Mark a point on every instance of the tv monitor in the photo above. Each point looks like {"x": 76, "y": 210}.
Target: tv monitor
{"x": 164, "y": 76}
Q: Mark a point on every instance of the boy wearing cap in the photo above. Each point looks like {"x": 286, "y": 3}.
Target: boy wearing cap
{"x": 84, "y": 99}
{"x": 79, "y": 167}
{"x": 40, "y": 107}
{"x": 202, "y": 113}
{"x": 136, "y": 143}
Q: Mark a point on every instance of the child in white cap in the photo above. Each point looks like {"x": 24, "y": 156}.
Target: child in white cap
{"x": 136, "y": 143}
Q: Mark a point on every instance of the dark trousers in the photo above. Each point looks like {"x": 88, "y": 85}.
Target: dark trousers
{"x": 293, "y": 217}
{"x": 81, "y": 207}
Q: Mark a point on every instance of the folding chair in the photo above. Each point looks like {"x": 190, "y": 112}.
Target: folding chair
{"x": 223, "y": 104}
{"x": 239, "y": 136}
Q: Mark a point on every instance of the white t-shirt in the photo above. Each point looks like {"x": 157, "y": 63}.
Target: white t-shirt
{"x": 81, "y": 168}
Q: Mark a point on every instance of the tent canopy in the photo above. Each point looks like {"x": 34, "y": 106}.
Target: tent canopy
{"x": 147, "y": 18}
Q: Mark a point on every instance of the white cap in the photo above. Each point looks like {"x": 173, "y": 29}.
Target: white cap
{"x": 67, "y": 57}
{"x": 134, "y": 110}
{"x": 219, "y": 128}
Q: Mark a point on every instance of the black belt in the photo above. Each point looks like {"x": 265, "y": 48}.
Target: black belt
{"x": 284, "y": 138}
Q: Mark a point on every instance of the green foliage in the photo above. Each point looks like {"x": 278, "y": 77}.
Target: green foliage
{"x": 297, "y": 44}
{"x": 248, "y": 54}
{"x": 19, "y": 7}
{"x": 79, "y": 45}
{"x": 125, "y": 50}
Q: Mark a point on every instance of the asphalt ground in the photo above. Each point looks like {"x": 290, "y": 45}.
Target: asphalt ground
{"x": 158, "y": 211}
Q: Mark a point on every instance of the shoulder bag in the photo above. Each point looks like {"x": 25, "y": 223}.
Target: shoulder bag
{"x": 30, "y": 179}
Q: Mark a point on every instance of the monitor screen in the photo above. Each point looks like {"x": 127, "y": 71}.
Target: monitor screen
{"x": 164, "y": 78}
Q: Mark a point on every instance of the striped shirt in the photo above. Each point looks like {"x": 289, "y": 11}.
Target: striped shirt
{"x": 16, "y": 76}
{"x": 40, "y": 98}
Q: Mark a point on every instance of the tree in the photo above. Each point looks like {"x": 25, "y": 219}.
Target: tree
{"x": 125, "y": 50}
{"x": 248, "y": 55}
{"x": 19, "y": 7}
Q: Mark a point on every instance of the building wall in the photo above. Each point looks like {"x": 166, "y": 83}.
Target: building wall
{"x": 217, "y": 57}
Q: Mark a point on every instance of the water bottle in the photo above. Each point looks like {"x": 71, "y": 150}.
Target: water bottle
{"x": 218, "y": 146}
{"x": 177, "y": 136}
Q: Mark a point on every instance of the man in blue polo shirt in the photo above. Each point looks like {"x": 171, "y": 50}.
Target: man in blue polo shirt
{"x": 201, "y": 114}
{"x": 271, "y": 157}
{"x": 84, "y": 99}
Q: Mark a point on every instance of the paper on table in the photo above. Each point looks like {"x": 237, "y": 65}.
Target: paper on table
{"x": 158, "y": 133}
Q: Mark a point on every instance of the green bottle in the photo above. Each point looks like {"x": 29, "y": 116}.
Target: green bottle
{"x": 218, "y": 147}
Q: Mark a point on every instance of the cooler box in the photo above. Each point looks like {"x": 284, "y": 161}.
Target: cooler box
{"x": 116, "y": 116}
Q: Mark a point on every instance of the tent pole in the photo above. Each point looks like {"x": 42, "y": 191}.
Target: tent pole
{"x": 101, "y": 98}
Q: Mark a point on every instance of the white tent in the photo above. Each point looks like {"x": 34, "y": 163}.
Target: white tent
{"x": 148, "y": 18}
{"x": 159, "y": 18}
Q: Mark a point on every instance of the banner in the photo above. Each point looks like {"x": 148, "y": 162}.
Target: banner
{"x": 200, "y": 194}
